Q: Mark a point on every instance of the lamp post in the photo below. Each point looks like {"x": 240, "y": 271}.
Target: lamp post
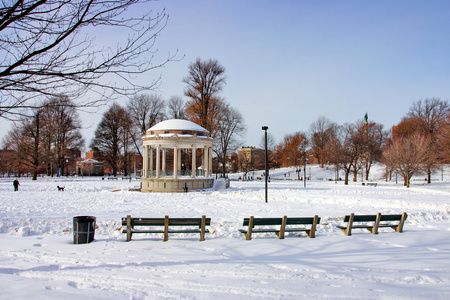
{"x": 265, "y": 161}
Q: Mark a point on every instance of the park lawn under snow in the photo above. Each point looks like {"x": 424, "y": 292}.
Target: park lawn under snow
{"x": 38, "y": 259}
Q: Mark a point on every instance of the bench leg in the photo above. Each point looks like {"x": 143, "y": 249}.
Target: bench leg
{"x": 374, "y": 229}
{"x": 202, "y": 229}
{"x": 166, "y": 228}
{"x": 348, "y": 230}
{"x": 280, "y": 234}
{"x": 312, "y": 233}
{"x": 248, "y": 235}
{"x": 129, "y": 228}
{"x": 399, "y": 227}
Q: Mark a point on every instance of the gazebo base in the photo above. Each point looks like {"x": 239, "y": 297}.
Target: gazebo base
{"x": 171, "y": 185}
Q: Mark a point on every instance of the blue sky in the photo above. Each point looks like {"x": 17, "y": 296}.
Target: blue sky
{"x": 289, "y": 62}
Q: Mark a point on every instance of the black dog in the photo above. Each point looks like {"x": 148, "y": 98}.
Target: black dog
{"x": 60, "y": 188}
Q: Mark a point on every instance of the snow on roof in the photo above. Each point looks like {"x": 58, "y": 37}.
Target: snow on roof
{"x": 178, "y": 124}
{"x": 90, "y": 160}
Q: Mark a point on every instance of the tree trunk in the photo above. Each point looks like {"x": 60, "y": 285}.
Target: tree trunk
{"x": 408, "y": 182}
{"x": 368, "y": 166}
{"x": 224, "y": 161}
{"x": 347, "y": 173}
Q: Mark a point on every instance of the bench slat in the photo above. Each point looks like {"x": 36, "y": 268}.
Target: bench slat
{"x": 361, "y": 218}
{"x": 277, "y": 221}
{"x": 131, "y": 223}
{"x": 373, "y": 222}
{"x": 372, "y": 218}
{"x": 188, "y": 222}
{"x": 282, "y": 223}
{"x": 391, "y": 217}
{"x": 172, "y": 222}
{"x": 263, "y": 221}
{"x": 162, "y": 231}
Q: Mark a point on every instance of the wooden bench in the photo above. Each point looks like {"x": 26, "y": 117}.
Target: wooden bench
{"x": 166, "y": 222}
{"x": 112, "y": 178}
{"x": 370, "y": 183}
{"x": 373, "y": 222}
{"x": 282, "y": 222}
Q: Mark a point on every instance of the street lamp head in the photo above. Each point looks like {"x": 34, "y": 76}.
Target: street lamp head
{"x": 265, "y": 128}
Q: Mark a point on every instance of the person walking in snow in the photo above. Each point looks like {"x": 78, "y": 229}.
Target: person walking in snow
{"x": 16, "y": 185}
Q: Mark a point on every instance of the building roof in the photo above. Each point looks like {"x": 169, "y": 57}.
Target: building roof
{"x": 178, "y": 124}
{"x": 90, "y": 160}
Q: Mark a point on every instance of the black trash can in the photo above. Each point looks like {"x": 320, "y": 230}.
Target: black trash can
{"x": 83, "y": 229}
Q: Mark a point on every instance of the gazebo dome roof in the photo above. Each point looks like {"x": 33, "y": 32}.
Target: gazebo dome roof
{"x": 177, "y": 124}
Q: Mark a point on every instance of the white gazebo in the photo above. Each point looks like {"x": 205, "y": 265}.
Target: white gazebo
{"x": 177, "y": 157}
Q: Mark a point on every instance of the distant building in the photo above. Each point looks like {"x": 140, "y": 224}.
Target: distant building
{"x": 89, "y": 167}
{"x": 250, "y": 158}
{"x": 93, "y": 154}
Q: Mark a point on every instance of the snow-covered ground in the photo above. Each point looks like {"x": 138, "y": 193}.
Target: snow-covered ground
{"x": 38, "y": 259}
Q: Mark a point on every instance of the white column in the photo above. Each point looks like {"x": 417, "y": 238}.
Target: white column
{"x": 206, "y": 162}
{"x": 175, "y": 162}
{"x": 210, "y": 162}
{"x": 158, "y": 160}
{"x": 194, "y": 163}
{"x": 164, "y": 162}
{"x": 145, "y": 162}
{"x": 151, "y": 162}
{"x": 179, "y": 159}
{"x": 204, "y": 167}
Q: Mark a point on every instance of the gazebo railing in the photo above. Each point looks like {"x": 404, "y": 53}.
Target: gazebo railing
{"x": 169, "y": 173}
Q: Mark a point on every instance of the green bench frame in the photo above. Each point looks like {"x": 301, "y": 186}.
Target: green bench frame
{"x": 285, "y": 224}
{"x": 373, "y": 222}
{"x": 166, "y": 222}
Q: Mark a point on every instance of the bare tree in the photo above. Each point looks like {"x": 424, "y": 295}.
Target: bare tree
{"x": 375, "y": 141}
{"x": 271, "y": 142}
{"x": 48, "y": 136}
{"x": 230, "y": 127}
{"x": 430, "y": 115}
{"x": 145, "y": 110}
{"x": 407, "y": 155}
{"x": 345, "y": 149}
{"x": 45, "y": 49}
{"x": 109, "y": 136}
{"x": 19, "y": 145}
{"x": 321, "y": 132}
{"x": 177, "y": 108}
{"x": 290, "y": 150}
{"x": 443, "y": 142}
{"x": 66, "y": 126}
{"x": 51, "y": 133}
{"x": 272, "y": 161}
{"x": 47, "y": 139}
{"x": 127, "y": 140}
{"x": 204, "y": 81}
{"x": 31, "y": 134}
